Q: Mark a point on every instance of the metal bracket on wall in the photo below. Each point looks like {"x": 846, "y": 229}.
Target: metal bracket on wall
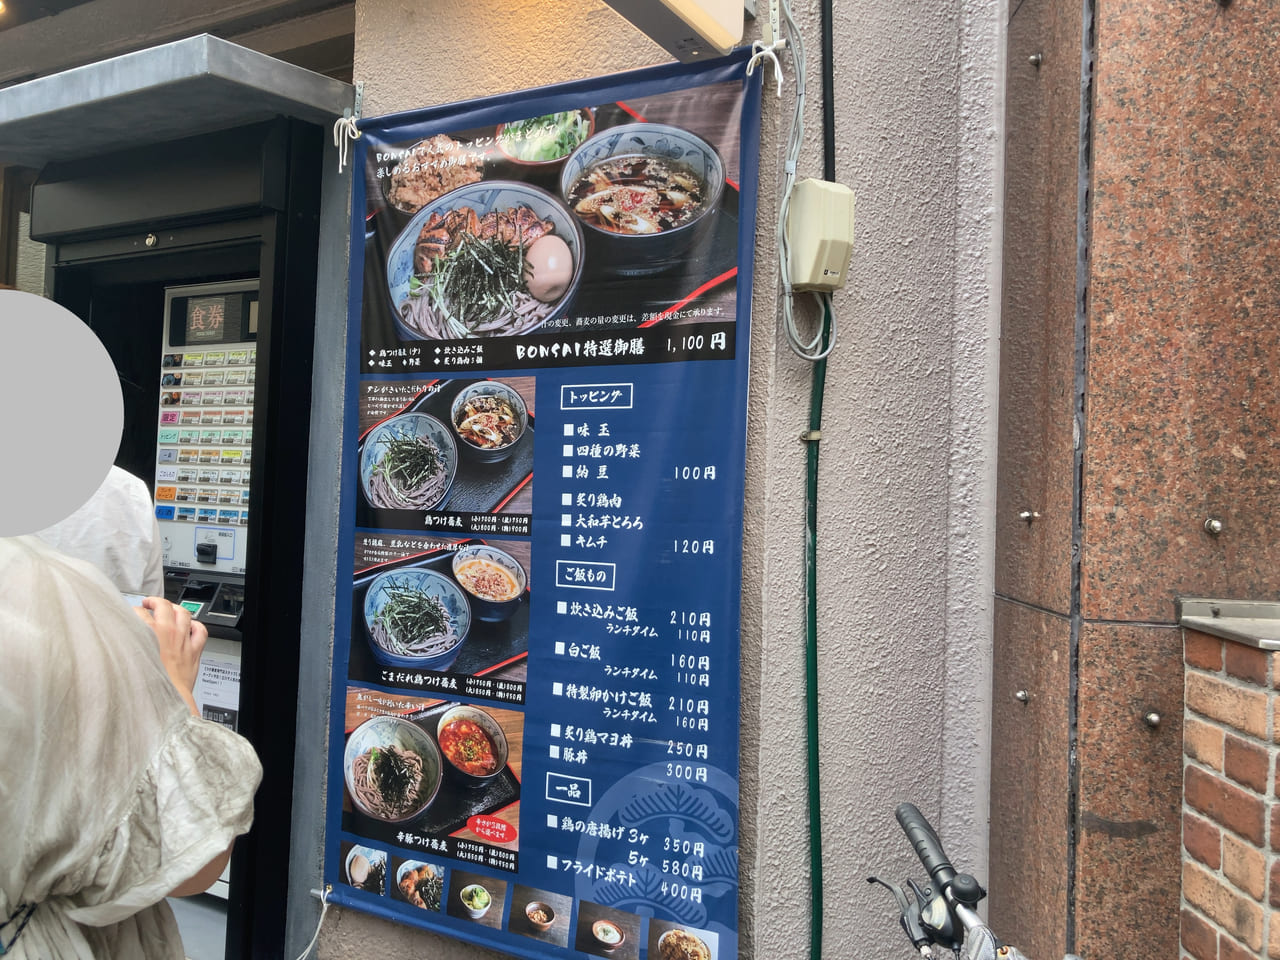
{"x": 357, "y": 106}
{"x": 1252, "y": 622}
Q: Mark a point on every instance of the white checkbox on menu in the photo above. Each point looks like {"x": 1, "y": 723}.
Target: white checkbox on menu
{"x": 555, "y": 729}
{"x": 562, "y": 606}
{"x": 552, "y": 862}
{"x": 567, "y": 472}
{"x": 568, "y": 450}
{"x": 555, "y": 751}
{"x": 568, "y": 429}
{"x": 559, "y": 648}
{"x": 553, "y": 822}
{"x": 566, "y": 519}
{"x": 557, "y": 689}
{"x": 566, "y": 499}
{"x": 566, "y": 539}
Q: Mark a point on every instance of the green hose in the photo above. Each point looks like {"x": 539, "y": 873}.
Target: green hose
{"x": 811, "y": 637}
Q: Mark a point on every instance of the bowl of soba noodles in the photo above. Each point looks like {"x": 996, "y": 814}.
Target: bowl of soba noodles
{"x": 392, "y": 769}
{"x": 408, "y": 462}
{"x": 644, "y": 194}
{"x": 496, "y": 258}
{"x": 416, "y": 619}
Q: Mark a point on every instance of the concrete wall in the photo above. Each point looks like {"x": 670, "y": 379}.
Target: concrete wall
{"x": 907, "y": 478}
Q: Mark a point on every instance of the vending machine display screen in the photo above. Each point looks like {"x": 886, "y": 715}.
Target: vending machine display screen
{"x": 204, "y": 438}
{"x": 195, "y": 320}
{"x": 206, "y": 320}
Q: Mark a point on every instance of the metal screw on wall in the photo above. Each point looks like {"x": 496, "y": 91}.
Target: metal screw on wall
{"x": 1026, "y": 516}
{"x": 1022, "y": 696}
{"x": 151, "y": 240}
{"x": 1035, "y": 60}
{"x": 1151, "y": 719}
{"x": 1213, "y": 526}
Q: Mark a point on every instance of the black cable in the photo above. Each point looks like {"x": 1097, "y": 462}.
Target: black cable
{"x": 811, "y": 496}
{"x": 828, "y": 94}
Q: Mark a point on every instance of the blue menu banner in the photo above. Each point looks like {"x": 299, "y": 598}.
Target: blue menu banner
{"x": 534, "y": 733}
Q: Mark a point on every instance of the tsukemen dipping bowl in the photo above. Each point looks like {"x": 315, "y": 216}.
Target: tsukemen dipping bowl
{"x": 501, "y": 568}
{"x": 492, "y": 451}
{"x": 454, "y": 760}
{"x": 627, "y": 249}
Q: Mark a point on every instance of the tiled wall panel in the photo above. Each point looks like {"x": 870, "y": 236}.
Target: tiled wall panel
{"x": 1038, "y": 313}
{"x": 1130, "y": 777}
{"x": 1183, "y": 422}
{"x": 1029, "y": 788}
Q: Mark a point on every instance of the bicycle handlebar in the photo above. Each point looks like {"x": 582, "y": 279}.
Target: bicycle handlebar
{"x": 946, "y": 915}
{"x": 924, "y": 839}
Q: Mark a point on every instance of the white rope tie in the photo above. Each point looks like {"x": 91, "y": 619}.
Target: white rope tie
{"x": 760, "y": 52}
{"x": 324, "y": 908}
{"x": 344, "y": 130}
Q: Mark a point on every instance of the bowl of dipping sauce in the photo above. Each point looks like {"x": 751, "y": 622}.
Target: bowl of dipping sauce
{"x": 644, "y": 193}
{"x": 493, "y": 580}
{"x": 488, "y": 418}
{"x": 473, "y": 745}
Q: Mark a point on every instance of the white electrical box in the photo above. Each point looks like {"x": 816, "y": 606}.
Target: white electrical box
{"x": 819, "y": 235}
{"x": 689, "y": 30}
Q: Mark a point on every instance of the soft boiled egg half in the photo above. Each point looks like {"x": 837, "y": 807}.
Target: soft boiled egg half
{"x": 359, "y": 869}
{"x": 548, "y": 269}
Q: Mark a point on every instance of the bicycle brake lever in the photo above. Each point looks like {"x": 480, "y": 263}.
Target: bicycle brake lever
{"x": 936, "y": 919}
{"x": 910, "y": 915}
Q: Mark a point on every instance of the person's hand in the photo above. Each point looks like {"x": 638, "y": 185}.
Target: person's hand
{"x": 181, "y": 641}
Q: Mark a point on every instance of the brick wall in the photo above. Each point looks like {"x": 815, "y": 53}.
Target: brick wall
{"x": 1230, "y": 810}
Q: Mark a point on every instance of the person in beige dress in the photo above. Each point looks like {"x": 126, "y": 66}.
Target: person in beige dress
{"x": 114, "y": 793}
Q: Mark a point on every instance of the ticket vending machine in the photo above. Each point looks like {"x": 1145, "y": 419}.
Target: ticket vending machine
{"x": 204, "y": 446}
{"x": 203, "y": 463}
